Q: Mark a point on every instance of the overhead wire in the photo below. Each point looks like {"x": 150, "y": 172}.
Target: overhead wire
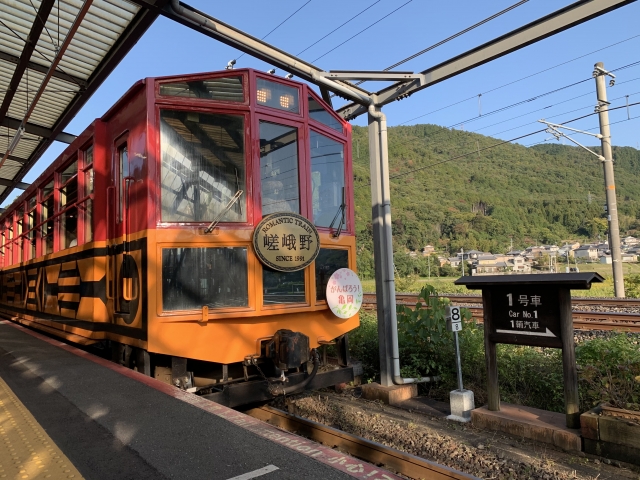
{"x": 547, "y": 107}
{"x": 556, "y": 115}
{"x": 454, "y": 36}
{"x": 279, "y": 25}
{"x": 338, "y": 28}
{"x": 434, "y": 137}
{"x": 473, "y": 97}
{"x": 516, "y": 104}
{"x": 362, "y": 31}
{"x": 503, "y": 142}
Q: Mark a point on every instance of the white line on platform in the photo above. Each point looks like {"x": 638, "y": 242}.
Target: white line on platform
{"x": 256, "y": 473}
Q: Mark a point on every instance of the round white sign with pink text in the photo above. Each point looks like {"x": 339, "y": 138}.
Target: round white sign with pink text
{"x": 344, "y": 293}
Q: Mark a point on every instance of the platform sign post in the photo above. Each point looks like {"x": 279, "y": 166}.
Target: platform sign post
{"x": 454, "y": 324}
{"x": 533, "y": 310}
{"x": 461, "y": 401}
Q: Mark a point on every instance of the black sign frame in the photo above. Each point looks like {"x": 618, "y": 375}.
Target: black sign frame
{"x": 507, "y": 299}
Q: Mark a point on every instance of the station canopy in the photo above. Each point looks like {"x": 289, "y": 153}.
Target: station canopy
{"x": 62, "y": 50}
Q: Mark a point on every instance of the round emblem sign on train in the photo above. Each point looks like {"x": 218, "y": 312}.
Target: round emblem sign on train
{"x": 286, "y": 242}
{"x": 344, "y": 293}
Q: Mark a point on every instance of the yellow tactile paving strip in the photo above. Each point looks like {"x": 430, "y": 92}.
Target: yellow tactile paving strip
{"x": 26, "y": 451}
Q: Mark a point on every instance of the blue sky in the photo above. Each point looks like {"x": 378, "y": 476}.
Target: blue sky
{"x": 169, "y": 48}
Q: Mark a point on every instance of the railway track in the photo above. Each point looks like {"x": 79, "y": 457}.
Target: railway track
{"x": 372, "y": 452}
{"x": 582, "y": 319}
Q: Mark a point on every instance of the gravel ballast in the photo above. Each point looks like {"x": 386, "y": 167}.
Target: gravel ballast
{"x": 489, "y": 455}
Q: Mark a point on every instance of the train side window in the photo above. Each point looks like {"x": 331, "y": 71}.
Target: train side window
{"x": 327, "y": 180}
{"x": 46, "y": 230}
{"x": 203, "y": 166}
{"x": 194, "y": 277}
{"x": 283, "y": 287}
{"x": 19, "y": 231}
{"x": 279, "y": 168}
{"x": 68, "y": 199}
{"x": 32, "y": 221}
{"x": 123, "y": 172}
{"x": 85, "y": 197}
{"x": 87, "y": 205}
{"x": 318, "y": 113}
{"x": 328, "y": 261}
{"x": 9, "y": 237}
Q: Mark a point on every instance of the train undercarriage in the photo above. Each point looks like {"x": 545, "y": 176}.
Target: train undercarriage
{"x": 286, "y": 366}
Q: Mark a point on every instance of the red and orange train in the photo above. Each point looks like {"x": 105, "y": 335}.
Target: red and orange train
{"x": 140, "y": 235}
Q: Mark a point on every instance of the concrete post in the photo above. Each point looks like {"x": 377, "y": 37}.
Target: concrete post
{"x": 609, "y": 182}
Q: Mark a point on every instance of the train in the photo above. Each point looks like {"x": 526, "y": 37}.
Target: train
{"x": 191, "y": 231}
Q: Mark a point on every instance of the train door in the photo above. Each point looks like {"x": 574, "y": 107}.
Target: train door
{"x": 123, "y": 273}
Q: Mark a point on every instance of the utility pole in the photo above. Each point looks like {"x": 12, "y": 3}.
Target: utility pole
{"x": 599, "y": 73}
{"x": 609, "y": 184}
{"x": 462, "y": 250}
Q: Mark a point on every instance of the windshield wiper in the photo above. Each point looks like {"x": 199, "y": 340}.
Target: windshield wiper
{"x": 216, "y": 220}
{"x": 339, "y": 213}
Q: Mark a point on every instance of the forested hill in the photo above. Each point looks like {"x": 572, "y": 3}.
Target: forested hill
{"x": 542, "y": 194}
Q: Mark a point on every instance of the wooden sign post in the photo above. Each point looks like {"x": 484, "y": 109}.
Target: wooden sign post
{"x": 532, "y": 310}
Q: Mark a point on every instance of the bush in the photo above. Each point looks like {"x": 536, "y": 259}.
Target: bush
{"x": 609, "y": 369}
{"x": 632, "y": 286}
{"x": 425, "y": 344}
{"x": 610, "y": 372}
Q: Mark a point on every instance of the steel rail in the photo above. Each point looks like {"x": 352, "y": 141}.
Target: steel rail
{"x": 582, "y": 320}
{"x": 367, "y": 450}
{"x": 462, "y": 298}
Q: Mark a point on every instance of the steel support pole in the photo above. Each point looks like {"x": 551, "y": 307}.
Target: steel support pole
{"x": 609, "y": 182}
{"x": 382, "y": 248}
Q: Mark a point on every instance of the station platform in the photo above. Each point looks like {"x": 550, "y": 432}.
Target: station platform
{"x": 65, "y": 413}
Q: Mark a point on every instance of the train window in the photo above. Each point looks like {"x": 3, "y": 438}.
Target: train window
{"x": 276, "y": 95}
{"x": 68, "y": 173}
{"x": 68, "y": 199}
{"x": 32, "y": 221}
{"x": 87, "y": 205}
{"x": 203, "y": 166}
{"x": 283, "y": 287}
{"x": 327, "y": 262}
{"x": 47, "y": 189}
{"x": 69, "y": 228}
{"x": 194, "y": 277}
{"x": 224, "y": 89}
{"x": 46, "y": 230}
{"x": 279, "y": 168}
{"x": 318, "y": 113}
{"x": 88, "y": 156}
{"x": 9, "y": 237}
{"x": 327, "y": 180}
{"x": 69, "y": 186}
{"x": 123, "y": 172}
{"x": 19, "y": 231}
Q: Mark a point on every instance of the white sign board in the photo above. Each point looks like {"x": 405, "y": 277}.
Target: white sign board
{"x": 344, "y": 293}
{"x": 454, "y": 319}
